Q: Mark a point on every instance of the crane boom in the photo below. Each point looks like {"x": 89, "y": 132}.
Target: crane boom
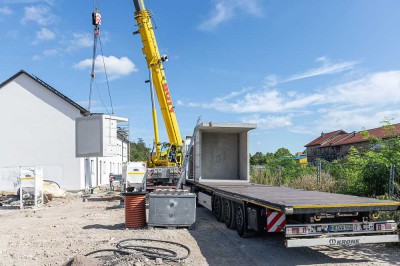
{"x": 154, "y": 62}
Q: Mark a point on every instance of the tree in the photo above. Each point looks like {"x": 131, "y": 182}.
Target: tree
{"x": 139, "y": 151}
{"x": 257, "y": 159}
{"x": 281, "y": 153}
{"x": 124, "y": 132}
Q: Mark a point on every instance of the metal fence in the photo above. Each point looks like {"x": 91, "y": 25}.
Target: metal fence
{"x": 357, "y": 179}
{"x": 394, "y": 181}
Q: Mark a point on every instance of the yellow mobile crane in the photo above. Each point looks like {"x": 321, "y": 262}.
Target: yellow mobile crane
{"x": 167, "y": 155}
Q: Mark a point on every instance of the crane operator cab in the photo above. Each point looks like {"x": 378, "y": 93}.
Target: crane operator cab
{"x": 171, "y": 155}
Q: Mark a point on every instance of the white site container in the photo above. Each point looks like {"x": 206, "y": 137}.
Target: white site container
{"x": 31, "y": 185}
{"x": 96, "y": 136}
{"x": 133, "y": 175}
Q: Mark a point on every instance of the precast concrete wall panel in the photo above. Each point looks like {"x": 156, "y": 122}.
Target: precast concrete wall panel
{"x": 221, "y": 152}
{"x": 220, "y": 156}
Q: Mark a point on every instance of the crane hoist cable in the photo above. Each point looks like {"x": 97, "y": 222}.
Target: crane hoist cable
{"x": 96, "y": 22}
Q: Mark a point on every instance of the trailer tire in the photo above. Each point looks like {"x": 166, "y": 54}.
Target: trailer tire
{"x": 217, "y": 208}
{"x": 229, "y": 214}
{"x": 240, "y": 219}
{"x": 241, "y": 222}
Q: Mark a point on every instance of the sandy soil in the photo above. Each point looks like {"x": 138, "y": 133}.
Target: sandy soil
{"x": 69, "y": 227}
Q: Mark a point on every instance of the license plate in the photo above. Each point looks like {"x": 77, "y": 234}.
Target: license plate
{"x": 340, "y": 228}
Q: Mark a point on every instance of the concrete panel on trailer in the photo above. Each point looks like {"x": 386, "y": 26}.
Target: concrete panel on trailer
{"x": 220, "y": 156}
{"x": 221, "y": 152}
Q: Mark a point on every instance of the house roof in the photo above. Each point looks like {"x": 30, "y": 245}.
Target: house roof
{"x": 50, "y": 88}
{"x": 325, "y": 137}
{"x": 338, "y": 138}
{"x": 380, "y": 132}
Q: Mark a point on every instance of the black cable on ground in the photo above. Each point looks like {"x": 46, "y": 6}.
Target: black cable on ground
{"x": 109, "y": 250}
{"x": 147, "y": 251}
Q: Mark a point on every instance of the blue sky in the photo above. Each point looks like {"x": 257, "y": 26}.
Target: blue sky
{"x": 296, "y": 68}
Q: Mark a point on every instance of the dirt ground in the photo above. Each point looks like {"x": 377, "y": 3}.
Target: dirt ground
{"x": 68, "y": 227}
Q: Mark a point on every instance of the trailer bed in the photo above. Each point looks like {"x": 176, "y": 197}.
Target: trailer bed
{"x": 296, "y": 201}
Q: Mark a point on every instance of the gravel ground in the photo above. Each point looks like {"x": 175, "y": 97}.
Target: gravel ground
{"x": 69, "y": 227}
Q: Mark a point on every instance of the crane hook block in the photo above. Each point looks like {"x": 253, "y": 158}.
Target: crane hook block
{"x": 96, "y": 18}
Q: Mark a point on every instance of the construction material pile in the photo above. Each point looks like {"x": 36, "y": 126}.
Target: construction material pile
{"x": 52, "y": 190}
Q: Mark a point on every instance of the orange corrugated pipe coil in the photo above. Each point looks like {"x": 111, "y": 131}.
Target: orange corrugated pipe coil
{"x": 135, "y": 211}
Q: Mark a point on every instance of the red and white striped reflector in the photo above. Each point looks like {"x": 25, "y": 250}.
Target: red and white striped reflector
{"x": 150, "y": 173}
{"x": 276, "y": 221}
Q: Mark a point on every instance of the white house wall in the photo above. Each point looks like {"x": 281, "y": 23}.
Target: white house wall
{"x": 38, "y": 129}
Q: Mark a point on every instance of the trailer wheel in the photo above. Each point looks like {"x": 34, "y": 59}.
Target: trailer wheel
{"x": 217, "y": 208}
{"x": 240, "y": 219}
{"x": 229, "y": 214}
{"x": 241, "y": 222}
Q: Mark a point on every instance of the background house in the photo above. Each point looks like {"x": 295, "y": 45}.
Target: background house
{"x": 335, "y": 145}
{"x": 38, "y": 129}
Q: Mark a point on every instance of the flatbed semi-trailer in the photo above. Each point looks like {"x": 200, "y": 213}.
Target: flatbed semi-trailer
{"x": 219, "y": 172}
{"x": 307, "y": 218}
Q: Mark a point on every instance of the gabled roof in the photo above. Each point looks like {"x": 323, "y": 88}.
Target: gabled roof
{"x": 325, "y": 137}
{"x": 379, "y": 132}
{"x": 50, "y": 88}
{"x": 336, "y": 139}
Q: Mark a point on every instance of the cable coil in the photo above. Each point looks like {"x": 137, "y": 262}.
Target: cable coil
{"x": 151, "y": 252}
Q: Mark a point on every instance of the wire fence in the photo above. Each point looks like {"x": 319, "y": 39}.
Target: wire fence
{"x": 355, "y": 179}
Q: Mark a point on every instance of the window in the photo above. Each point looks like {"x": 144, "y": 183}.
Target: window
{"x": 91, "y": 167}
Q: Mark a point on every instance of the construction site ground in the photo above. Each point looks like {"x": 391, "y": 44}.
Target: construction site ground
{"x": 68, "y": 227}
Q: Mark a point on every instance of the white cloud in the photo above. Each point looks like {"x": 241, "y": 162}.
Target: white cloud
{"x": 44, "y": 35}
{"x": 353, "y": 119}
{"x": 374, "y": 89}
{"x": 81, "y": 39}
{"x": 116, "y": 67}
{"x": 267, "y": 122}
{"x": 38, "y": 14}
{"x": 12, "y": 34}
{"x": 381, "y": 88}
{"x": 362, "y": 102}
{"x": 6, "y": 11}
{"x": 234, "y": 94}
{"x": 51, "y": 52}
{"x": 36, "y": 57}
{"x": 327, "y": 68}
{"x": 263, "y": 101}
{"x": 225, "y": 10}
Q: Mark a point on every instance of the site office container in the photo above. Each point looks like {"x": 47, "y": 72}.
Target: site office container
{"x": 219, "y": 174}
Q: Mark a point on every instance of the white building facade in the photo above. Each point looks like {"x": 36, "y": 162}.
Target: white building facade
{"x": 38, "y": 129}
